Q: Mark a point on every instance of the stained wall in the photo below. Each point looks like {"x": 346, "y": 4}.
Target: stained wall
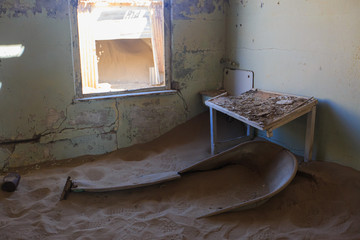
{"x": 309, "y": 48}
{"x": 39, "y": 119}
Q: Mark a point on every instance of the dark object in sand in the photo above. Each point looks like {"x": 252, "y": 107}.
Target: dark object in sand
{"x": 10, "y": 182}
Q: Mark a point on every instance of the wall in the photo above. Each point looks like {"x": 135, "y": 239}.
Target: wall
{"x": 39, "y": 120}
{"x": 310, "y": 48}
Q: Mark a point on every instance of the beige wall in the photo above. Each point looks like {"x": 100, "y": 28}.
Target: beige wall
{"x": 309, "y": 48}
{"x": 39, "y": 121}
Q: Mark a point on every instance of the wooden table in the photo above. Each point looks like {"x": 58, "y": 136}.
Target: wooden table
{"x": 265, "y": 111}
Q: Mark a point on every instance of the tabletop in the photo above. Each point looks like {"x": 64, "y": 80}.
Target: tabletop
{"x": 263, "y": 110}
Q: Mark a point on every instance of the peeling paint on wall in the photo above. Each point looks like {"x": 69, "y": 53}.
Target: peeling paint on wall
{"x": 180, "y": 71}
{"x": 18, "y": 8}
{"x": 45, "y": 124}
{"x": 185, "y": 9}
{"x": 187, "y": 62}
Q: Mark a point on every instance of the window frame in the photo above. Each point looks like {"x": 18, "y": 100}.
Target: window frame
{"x": 75, "y": 48}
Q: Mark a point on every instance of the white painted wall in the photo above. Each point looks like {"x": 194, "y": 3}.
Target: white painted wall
{"x": 310, "y": 48}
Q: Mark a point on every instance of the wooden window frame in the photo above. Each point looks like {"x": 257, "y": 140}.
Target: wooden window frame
{"x": 79, "y": 95}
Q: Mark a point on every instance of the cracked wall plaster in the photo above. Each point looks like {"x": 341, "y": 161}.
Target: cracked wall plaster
{"x": 54, "y": 118}
{"x": 34, "y": 153}
{"x": 38, "y": 88}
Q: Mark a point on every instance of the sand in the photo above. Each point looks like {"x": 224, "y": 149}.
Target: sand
{"x": 322, "y": 202}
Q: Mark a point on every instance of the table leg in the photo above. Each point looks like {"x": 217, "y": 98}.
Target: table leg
{"x": 213, "y": 130}
{"x": 250, "y": 132}
{"x": 309, "y": 138}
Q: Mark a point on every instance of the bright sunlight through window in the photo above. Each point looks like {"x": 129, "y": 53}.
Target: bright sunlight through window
{"x": 121, "y": 45}
{"x": 11, "y": 51}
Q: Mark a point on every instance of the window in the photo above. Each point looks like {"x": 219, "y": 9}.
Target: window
{"x": 120, "y": 46}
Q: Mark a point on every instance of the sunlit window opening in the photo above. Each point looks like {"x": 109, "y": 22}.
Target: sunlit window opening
{"x": 121, "y": 45}
{"x": 11, "y": 51}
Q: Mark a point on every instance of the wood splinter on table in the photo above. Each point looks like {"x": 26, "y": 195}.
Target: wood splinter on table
{"x": 265, "y": 111}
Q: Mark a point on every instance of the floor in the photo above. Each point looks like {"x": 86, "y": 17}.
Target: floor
{"x": 322, "y": 202}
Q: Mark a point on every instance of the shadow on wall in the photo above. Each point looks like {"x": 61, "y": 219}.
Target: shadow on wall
{"x": 337, "y": 132}
{"x": 290, "y": 136}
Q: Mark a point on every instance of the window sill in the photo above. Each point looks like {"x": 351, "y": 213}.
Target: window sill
{"x": 126, "y": 95}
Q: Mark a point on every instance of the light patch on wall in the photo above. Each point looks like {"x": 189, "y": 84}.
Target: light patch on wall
{"x": 11, "y": 51}
{"x": 0, "y": 85}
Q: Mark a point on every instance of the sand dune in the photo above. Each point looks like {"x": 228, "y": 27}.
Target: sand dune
{"x": 322, "y": 202}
